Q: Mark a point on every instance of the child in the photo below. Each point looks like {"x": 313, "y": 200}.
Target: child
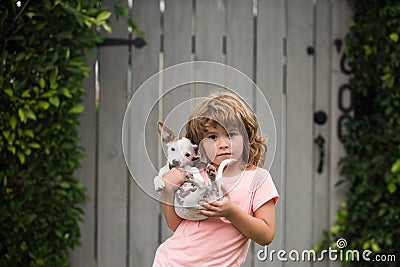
{"x": 228, "y": 129}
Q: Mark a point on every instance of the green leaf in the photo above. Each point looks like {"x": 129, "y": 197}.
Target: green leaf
{"x": 53, "y": 78}
{"x": 34, "y": 145}
{"x": 77, "y": 109}
{"x": 27, "y": 151}
{"x": 394, "y": 37}
{"x": 29, "y": 133}
{"x": 392, "y": 187}
{"x": 54, "y": 100}
{"x": 21, "y": 157}
{"x": 66, "y": 92}
{"x": 26, "y": 93}
{"x": 30, "y": 114}
{"x": 67, "y": 53}
{"x": 9, "y": 91}
{"x": 396, "y": 166}
{"x": 42, "y": 83}
{"x": 43, "y": 104}
{"x": 78, "y": 61}
{"x": 13, "y": 122}
{"x": 12, "y": 149}
{"x": 106, "y": 27}
{"x": 65, "y": 185}
{"x": 21, "y": 115}
{"x": 335, "y": 229}
{"x": 6, "y": 134}
{"x": 103, "y": 15}
{"x": 19, "y": 57}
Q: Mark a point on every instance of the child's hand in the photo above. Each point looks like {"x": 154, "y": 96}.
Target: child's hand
{"x": 218, "y": 208}
{"x": 174, "y": 178}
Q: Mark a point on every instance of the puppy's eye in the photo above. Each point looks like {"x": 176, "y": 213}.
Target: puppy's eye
{"x": 187, "y": 155}
{"x": 172, "y": 148}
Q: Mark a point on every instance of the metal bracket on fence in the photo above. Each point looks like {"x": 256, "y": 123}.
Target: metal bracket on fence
{"x": 138, "y": 42}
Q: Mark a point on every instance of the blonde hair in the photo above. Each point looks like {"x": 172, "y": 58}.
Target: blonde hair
{"x": 227, "y": 109}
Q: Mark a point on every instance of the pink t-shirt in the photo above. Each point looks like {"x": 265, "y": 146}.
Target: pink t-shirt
{"x": 215, "y": 241}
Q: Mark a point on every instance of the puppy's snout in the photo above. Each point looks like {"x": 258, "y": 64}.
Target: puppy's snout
{"x": 176, "y": 163}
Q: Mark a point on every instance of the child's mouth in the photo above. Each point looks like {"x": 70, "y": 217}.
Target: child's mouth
{"x": 224, "y": 154}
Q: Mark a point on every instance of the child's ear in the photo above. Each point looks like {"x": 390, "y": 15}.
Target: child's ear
{"x": 167, "y": 135}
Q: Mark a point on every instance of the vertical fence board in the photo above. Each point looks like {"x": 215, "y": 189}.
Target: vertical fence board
{"x": 144, "y": 210}
{"x": 84, "y": 255}
{"x": 177, "y": 49}
{"x": 209, "y": 30}
{"x": 341, "y": 19}
{"x": 299, "y": 127}
{"x": 240, "y": 44}
{"x": 322, "y": 103}
{"x": 112, "y": 195}
{"x": 270, "y": 26}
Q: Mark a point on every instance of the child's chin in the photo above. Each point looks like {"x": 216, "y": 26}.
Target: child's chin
{"x": 221, "y": 159}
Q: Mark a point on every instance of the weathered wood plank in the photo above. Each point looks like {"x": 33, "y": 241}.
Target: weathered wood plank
{"x": 144, "y": 210}
{"x": 112, "y": 197}
{"x": 270, "y": 33}
{"x": 323, "y": 102}
{"x": 299, "y": 127}
{"x": 85, "y": 254}
{"x": 239, "y": 31}
{"x": 113, "y": 177}
{"x": 209, "y": 30}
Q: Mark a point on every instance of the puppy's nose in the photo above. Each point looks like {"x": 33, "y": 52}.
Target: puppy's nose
{"x": 176, "y": 163}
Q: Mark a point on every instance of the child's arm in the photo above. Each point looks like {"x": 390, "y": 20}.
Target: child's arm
{"x": 172, "y": 180}
{"x": 260, "y": 228}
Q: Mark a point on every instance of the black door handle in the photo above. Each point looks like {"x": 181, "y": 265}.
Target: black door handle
{"x": 320, "y": 142}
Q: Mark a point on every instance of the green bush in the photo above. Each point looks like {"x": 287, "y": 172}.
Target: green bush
{"x": 370, "y": 216}
{"x": 43, "y": 45}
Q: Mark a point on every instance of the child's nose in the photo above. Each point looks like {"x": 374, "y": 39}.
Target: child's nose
{"x": 223, "y": 142}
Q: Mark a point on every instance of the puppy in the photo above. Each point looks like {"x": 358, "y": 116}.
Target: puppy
{"x": 183, "y": 154}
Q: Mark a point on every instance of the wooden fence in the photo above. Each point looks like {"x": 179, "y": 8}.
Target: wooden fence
{"x": 290, "y": 48}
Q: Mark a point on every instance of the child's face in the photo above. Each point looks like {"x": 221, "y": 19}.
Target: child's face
{"x": 227, "y": 144}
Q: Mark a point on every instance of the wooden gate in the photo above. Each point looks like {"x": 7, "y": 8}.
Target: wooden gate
{"x": 290, "y": 48}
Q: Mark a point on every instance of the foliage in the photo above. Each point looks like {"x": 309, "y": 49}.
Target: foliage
{"x": 42, "y": 64}
{"x": 370, "y": 216}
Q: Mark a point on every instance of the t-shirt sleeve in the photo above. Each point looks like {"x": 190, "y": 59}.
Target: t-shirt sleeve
{"x": 263, "y": 189}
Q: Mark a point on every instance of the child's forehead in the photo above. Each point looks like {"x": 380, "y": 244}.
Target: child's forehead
{"x": 215, "y": 126}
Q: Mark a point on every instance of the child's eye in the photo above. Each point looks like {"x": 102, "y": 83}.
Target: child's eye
{"x": 232, "y": 134}
{"x": 212, "y": 137}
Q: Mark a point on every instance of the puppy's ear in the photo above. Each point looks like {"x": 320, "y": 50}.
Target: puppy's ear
{"x": 167, "y": 135}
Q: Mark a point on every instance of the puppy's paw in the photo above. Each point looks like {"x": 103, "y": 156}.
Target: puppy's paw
{"x": 211, "y": 172}
{"x": 158, "y": 183}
